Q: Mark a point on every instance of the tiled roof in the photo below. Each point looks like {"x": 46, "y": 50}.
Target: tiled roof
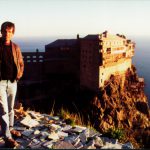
{"x": 91, "y": 36}
{"x": 62, "y": 42}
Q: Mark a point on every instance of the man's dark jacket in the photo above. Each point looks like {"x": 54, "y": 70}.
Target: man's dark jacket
{"x": 18, "y": 59}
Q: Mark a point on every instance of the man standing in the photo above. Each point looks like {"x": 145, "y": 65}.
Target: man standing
{"x": 11, "y": 70}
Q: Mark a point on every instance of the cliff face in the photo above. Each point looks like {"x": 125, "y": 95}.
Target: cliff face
{"x": 121, "y": 103}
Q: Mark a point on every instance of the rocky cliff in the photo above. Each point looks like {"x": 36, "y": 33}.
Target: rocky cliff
{"x": 122, "y": 104}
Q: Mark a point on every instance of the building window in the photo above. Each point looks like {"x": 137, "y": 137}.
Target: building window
{"x": 124, "y": 54}
{"x": 28, "y": 56}
{"x": 64, "y": 48}
{"x": 34, "y": 56}
{"x": 40, "y": 56}
{"x": 108, "y": 50}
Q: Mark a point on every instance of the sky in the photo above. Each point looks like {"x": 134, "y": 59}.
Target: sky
{"x": 40, "y": 22}
{"x": 67, "y": 18}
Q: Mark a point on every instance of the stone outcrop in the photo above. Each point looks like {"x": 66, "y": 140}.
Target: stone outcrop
{"x": 43, "y": 131}
{"x": 123, "y": 104}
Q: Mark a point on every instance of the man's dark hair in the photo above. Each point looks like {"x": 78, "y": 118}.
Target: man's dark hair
{"x": 8, "y": 24}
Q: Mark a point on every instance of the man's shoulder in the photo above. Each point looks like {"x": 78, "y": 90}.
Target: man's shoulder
{"x": 15, "y": 45}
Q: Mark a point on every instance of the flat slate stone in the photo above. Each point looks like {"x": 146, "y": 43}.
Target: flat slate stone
{"x": 53, "y": 136}
{"x": 78, "y": 129}
{"x": 62, "y": 134}
{"x": 2, "y": 144}
{"x": 63, "y": 145}
{"x": 48, "y": 144}
{"x": 66, "y": 128}
{"x": 127, "y": 145}
{"x": 56, "y": 134}
{"x": 29, "y": 122}
{"x": 27, "y": 132}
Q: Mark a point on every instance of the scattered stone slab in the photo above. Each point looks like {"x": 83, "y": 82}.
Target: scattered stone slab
{"x": 55, "y": 126}
{"x": 19, "y": 128}
{"x": 67, "y": 128}
{"x": 76, "y": 142}
{"x": 63, "y": 145}
{"x": 48, "y": 144}
{"x": 44, "y": 131}
{"x": 34, "y": 115}
{"x": 98, "y": 142}
{"x": 93, "y": 132}
{"x": 29, "y": 122}
{"x": 127, "y": 145}
{"x": 53, "y": 136}
{"x": 23, "y": 142}
{"x": 27, "y": 132}
{"x": 111, "y": 146}
{"x": 35, "y": 146}
{"x": 55, "y": 117}
{"x": 83, "y": 137}
{"x": 78, "y": 129}
{"x": 43, "y": 135}
{"x": 79, "y": 145}
{"x": 36, "y": 141}
{"x": 72, "y": 139}
{"x": 36, "y": 132}
{"x": 62, "y": 134}
{"x": 2, "y": 143}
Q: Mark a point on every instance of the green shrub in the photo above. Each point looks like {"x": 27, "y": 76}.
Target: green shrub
{"x": 115, "y": 133}
{"x": 70, "y": 121}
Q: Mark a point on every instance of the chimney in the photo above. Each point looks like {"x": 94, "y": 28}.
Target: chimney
{"x": 105, "y": 33}
{"x": 78, "y": 37}
{"x": 37, "y": 50}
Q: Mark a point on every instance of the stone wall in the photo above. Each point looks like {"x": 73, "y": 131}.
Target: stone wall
{"x": 115, "y": 68}
{"x": 89, "y": 64}
{"x": 33, "y": 66}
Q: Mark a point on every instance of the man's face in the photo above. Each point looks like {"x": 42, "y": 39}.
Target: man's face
{"x": 7, "y": 33}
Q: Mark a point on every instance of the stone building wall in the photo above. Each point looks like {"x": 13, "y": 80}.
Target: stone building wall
{"x": 103, "y": 55}
{"x": 89, "y": 64}
{"x": 117, "y": 52}
{"x": 62, "y": 58}
{"x": 33, "y": 66}
{"x": 90, "y": 60}
{"x": 118, "y": 68}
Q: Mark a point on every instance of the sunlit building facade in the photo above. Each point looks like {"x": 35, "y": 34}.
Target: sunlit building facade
{"x": 90, "y": 60}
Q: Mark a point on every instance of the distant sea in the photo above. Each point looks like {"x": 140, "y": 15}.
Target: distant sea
{"x": 31, "y": 44}
{"x": 141, "y": 58}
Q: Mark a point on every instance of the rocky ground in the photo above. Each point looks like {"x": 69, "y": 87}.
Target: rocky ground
{"x": 45, "y": 131}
